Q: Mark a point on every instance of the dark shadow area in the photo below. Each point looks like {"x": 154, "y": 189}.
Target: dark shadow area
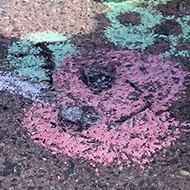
{"x": 175, "y": 7}
{"x": 5, "y": 42}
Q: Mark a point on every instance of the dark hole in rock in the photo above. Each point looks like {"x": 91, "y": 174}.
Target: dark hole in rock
{"x": 143, "y": 70}
{"x": 169, "y": 27}
{"x": 98, "y": 77}
{"x": 4, "y": 107}
{"x": 132, "y": 17}
{"x": 79, "y": 117}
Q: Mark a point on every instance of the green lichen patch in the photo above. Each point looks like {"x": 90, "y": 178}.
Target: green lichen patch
{"x": 37, "y": 54}
{"x": 60, "y": 50}
{"x": 177, "y": 43}
{"x": 45, "y": 36}
{"x": 26, "y": 60}
{"x": 138, "y": 25}
{"x": 59, "y": 45}
{"x": 150, "y": 3}
{"x": 129, "y": 35}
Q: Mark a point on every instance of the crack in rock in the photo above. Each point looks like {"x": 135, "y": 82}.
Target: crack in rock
{"x": 127, "y": 117}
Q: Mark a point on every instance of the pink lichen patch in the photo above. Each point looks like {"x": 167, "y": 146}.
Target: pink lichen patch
{"x": 134, "y": 121}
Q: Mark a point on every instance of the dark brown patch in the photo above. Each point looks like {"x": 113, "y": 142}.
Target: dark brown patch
{"x": 175, "y": 7}
{"x": 181, "y": 109}
{"x": 132, "y": 17}
{"x": 160, "y": 45}
{"x": 169, "y": 27}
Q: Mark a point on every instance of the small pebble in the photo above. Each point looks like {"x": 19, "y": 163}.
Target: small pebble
{"x": 184, "y": 172}
{"x": 120, "y": 168}
{"x": 96, "y": 170}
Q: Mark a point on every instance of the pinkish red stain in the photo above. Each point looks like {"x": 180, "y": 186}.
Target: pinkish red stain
{"x": 144, "y": 88}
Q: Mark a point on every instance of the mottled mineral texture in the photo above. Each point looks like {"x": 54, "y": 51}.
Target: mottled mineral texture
{"x": 128, "y": 119}
{"x": 83, "y": 117}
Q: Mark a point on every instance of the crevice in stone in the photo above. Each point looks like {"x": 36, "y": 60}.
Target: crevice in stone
{"x": 50, "y": 65}
{"x": 127, "y": 117}
{"x": 133, "y": 85}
